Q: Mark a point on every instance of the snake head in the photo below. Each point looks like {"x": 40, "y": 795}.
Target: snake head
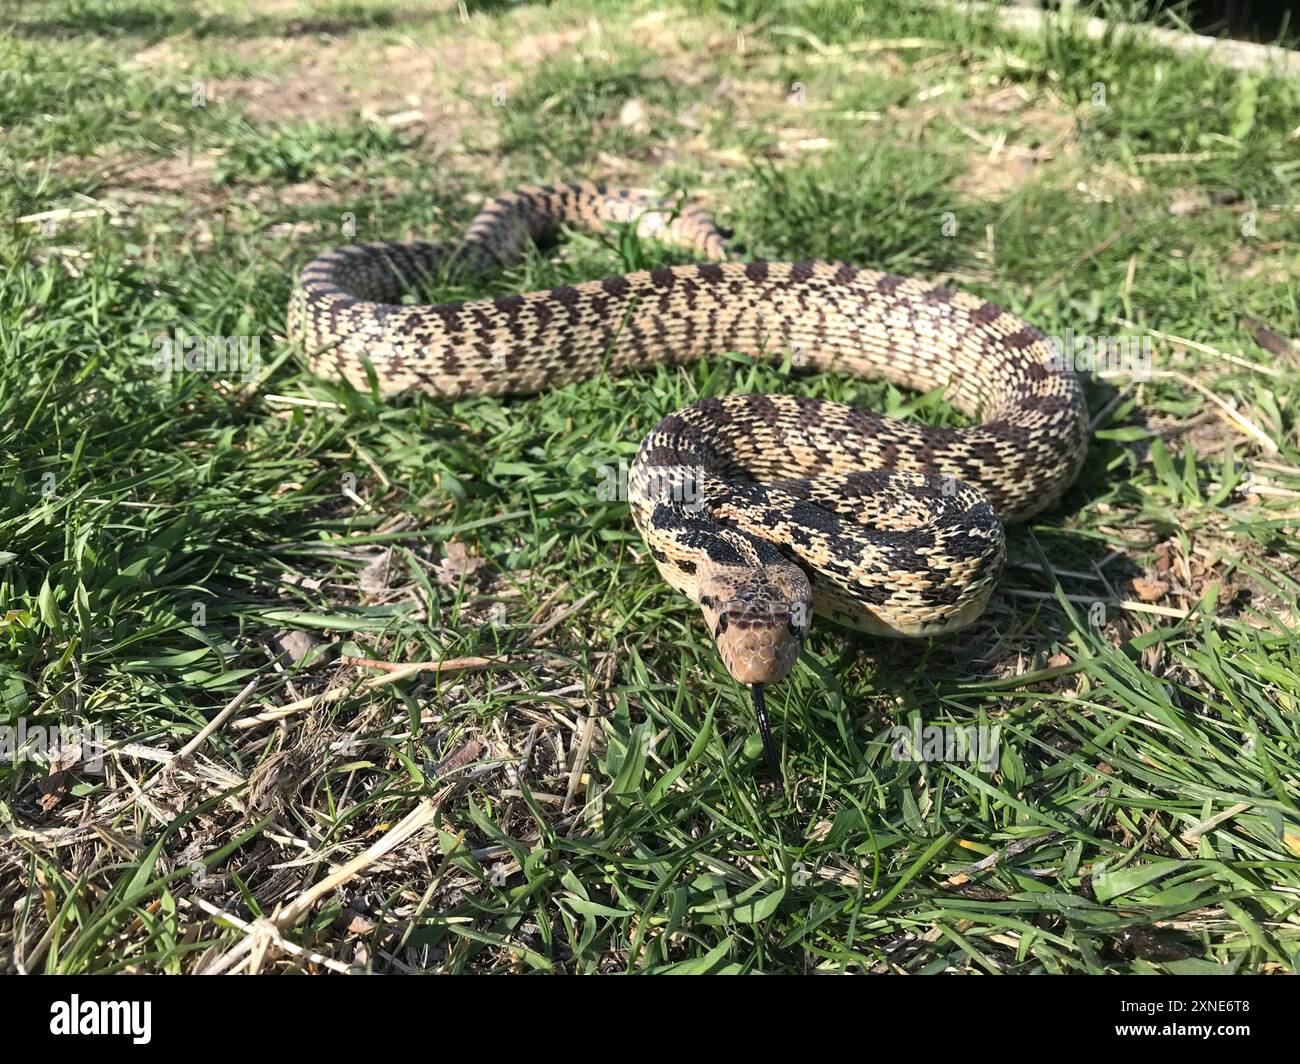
{"x": 759, "y": 618}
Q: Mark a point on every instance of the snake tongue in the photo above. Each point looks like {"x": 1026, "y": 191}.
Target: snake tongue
{"x": 765, "y": 730}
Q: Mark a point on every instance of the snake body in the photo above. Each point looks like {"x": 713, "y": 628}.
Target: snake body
{"x": 760, "y": 508}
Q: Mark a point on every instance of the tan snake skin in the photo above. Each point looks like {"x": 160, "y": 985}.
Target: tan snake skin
{"x": 760, "y": 508}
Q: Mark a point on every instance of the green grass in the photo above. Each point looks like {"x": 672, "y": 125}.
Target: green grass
{"x": 159, "y": 535}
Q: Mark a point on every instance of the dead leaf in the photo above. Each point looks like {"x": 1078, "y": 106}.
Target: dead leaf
{"x": 374, "y": 577}
{"x": 456, "y": 565}
{"x": 459, "y": 758}
{"x": 1266, "y": 337}
{"x": 1150, "y": 590}
{"x": 1162, "y": 552}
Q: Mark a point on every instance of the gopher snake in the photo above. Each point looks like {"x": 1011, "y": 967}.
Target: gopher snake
{"x": 757, "y": 507}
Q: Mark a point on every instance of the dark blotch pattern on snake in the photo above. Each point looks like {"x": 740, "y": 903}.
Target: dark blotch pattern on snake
{"x": 761, "y": 508}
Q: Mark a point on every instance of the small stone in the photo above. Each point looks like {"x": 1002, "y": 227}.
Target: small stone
{"x": 297, "y": 648}
{"x": 1186, "y": 205}
{"x": 634, "y": 116}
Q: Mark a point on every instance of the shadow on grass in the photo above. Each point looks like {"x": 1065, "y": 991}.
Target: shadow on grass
{"x": 154, "y": 21}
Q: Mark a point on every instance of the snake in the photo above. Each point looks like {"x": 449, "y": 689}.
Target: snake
{"x": 765, "y": 510}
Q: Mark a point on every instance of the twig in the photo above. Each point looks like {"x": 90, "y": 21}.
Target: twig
{"x": 216, "y": 722}
{"x": 423, "y": 666}
{"x": 1238, "y": 55}
{"x": 1193, "y": 833}
{"x": 420, "y": 817}
{"x": 580, "y": 761}
{"x": 267, "y": 930}
{"x": 1206, "y": 349}
{"x": 1088, "y": 600}
{"x": 563, "y": 615}
{"x": 1020, "y": 846}
{"x": 1248, "y": 427}
{"x": 984, "y": 864}
{"x": 394, "y": 672}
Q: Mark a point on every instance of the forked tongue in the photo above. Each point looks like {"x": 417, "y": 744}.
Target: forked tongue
{"x": 765, "y": 730}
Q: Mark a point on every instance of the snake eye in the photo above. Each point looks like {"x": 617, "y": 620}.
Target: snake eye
{"x": 723, "y": 623}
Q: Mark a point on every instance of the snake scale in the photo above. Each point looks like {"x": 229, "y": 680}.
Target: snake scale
{"x": 763, "y": 509}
